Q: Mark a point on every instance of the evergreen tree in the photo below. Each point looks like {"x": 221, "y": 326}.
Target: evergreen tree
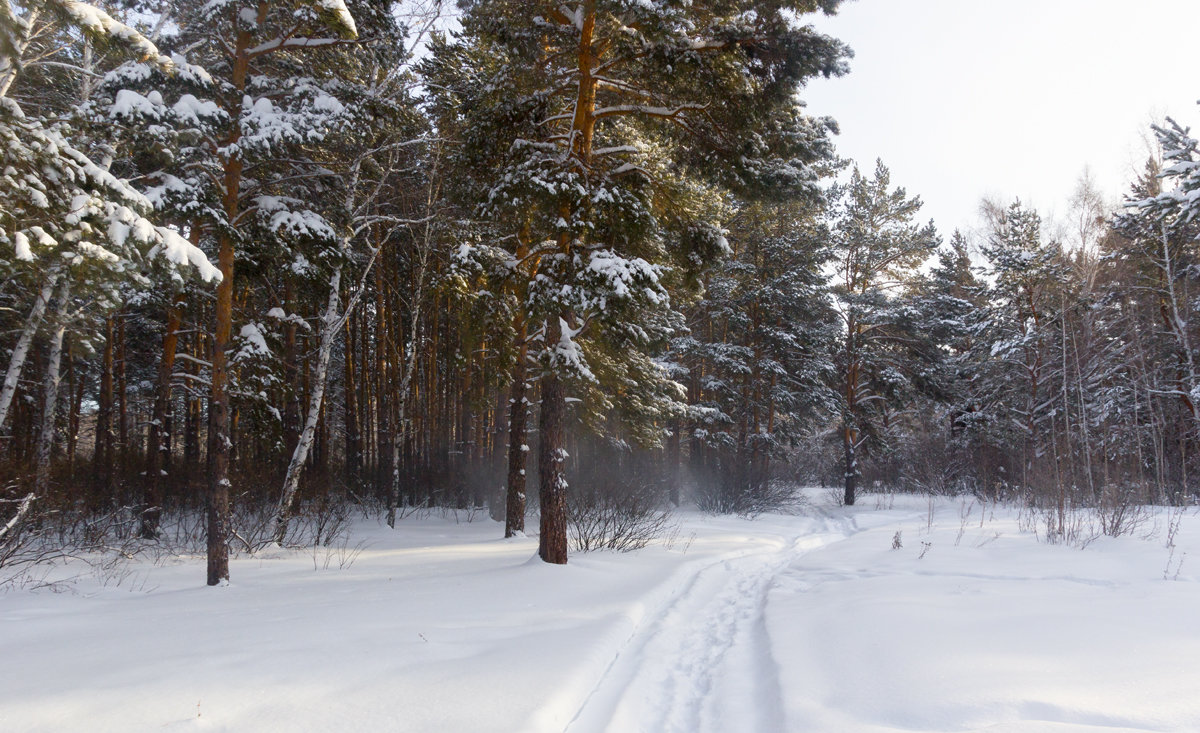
{"x": 755, "y": 358}
{"x": 1166, "y": 226}
{"x": 1026, "y": 272}
{"x": 877, "y": 249}
{"x": 622, "y": 99}
{"x": 71, "y": 226}
{"x": 234, "y": 135}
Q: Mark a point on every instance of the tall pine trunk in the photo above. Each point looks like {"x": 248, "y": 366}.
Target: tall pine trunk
{"x": 552, "y": 456}
{"x": 848, "y": 444}
{"x": 353, "y": 465}
{"x": 122, "y": 400}
{"x": 75, "y": 384}
{"x": 383, "y": 439}
{"x": 102, "y": 456}
{"x": 158, "y": 443}
{"x": 849, "y": 433}
{"x": 219, "y": 440}
{"x": 518, "y": 450}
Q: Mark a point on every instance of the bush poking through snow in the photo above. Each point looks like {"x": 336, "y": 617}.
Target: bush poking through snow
{"x": 46, "y": 535}
{"x": 836, "y": 495}
{"x": 318, "y": 523}
{"x": 340, "y": 555}
{"x": 749, "y": 501}
{"x": 20, "y": 541}
{"x": 1121, "y": 512}
{"x": 625, "y": 517}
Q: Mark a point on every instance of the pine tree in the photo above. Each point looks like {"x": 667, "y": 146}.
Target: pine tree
{"x": 374, "y": 86}
{"x": 1026, "y": 273}
{"x": 877, "y": 249}
{"x": 1166, "y": 225}
{"x": 952, "y": 299}
{"x": 1153, "y": 265}
{"x": 233, "y": 129}
{"x": 612, "y": 92}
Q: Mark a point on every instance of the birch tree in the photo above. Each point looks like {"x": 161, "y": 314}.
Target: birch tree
{"x": 374, "y": 83}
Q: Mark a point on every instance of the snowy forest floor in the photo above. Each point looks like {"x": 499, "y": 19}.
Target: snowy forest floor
{"x": 807, "y": 622}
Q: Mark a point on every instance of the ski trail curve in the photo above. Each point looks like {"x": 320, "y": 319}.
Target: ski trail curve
{"x": 703, "y": 663}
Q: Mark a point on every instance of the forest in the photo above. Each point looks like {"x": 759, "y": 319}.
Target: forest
{"x": 267, "y": 264}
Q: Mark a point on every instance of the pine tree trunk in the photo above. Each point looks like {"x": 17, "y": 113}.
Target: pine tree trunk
{"x": 220, "y": 438}
{"x": 158, "y": 441}
{"x": 849, "y": 433}
{"x": 122, "y": 402}
{"x": 674, "y": 452}
{"x": 191, "y": 421}
{"x": 464, "y": 437}
{"x": 518, "y": 451}
{"x": 217, "y": 505}
{"x": 848, "y": 440}
{"x": 383, "y": 438}
{"x": 366, "y": 419}
{"x": 353, "y": 466}
{"x": 552, "y": 455}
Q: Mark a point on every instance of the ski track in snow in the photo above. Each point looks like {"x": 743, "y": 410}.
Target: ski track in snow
{"x": 703, "y": 663}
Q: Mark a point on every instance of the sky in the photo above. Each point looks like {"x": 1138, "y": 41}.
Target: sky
{"x": 967, "y": 98}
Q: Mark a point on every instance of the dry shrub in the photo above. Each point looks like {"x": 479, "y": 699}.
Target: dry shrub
{"x": 626, "y": 516}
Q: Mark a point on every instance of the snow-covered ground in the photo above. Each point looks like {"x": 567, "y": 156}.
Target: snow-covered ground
{"x": 782, "y": 623}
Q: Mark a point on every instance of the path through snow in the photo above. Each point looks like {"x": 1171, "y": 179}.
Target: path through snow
{"x": 703, "y": 663}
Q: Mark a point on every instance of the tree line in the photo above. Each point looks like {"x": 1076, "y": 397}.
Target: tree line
{"x": 265, "y": 258}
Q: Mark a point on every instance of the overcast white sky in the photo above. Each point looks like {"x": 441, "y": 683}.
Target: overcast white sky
{"x": 962, "y": 98}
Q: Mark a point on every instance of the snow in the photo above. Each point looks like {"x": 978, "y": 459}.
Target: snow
{"x": 340, "y": 14}
{"x": 300, "y": 222}
{"x": 129, "y": 103}
{"x": 191, "y": 110}
{"x": 96, "y": 22}
{"x": 282, "y": 315}
{"x": 569, "y": 354}
{"x": 254, "y": 344}
{"x": 180, "y": 251}
{"x": 809, "y": 622}
{"x": 23, "y": 250}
